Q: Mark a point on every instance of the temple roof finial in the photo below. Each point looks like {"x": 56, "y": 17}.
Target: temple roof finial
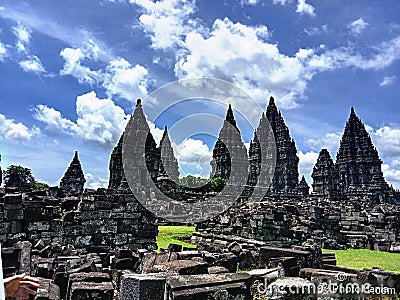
{"x": 271, "y": 101}
{"x": 229, "y": 116}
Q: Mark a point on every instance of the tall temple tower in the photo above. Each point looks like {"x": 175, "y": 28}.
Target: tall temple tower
{"x": 115, "y": 166}
{"x": 140, "y": 127}
{"x": 286, "y": 174}
{"x": 221, "y": 162}
{"x": 325, "y": 177}
{"x": 74, "y": 178}
{"x": 168, "y": 164}
{"x": 357, "y": 161}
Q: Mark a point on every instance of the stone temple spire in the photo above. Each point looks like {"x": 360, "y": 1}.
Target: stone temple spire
{"x": 357, "y": 160}
{"x": 325, "y": 176}
{"x": 115, "y": 166}
{"x": 286, "y": 170}
{"x": 169, "y": 164}
{"x": 229, "y": 116}
{"x": 221, "y": 161}
{"x": 74, "y": 178}
{"x": 117, "y": 177}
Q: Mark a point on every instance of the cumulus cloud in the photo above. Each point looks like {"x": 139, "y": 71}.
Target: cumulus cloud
{"x": 194, "y": 158}
{"x": 166, "y": 21}
{"x": 95, "y": 182}
{"x": 306, "y": 162}
{"x": 238, "y": 53}
{"x": 118, "y": 77}
{"x": 73, "y": 66}
{"x": 304, "y": 8}
{"x": 99, "y": 120}
{"x": 388, "y": 81}
{"x": 32, "y": 64}
{"x": 357, "y": 26}
{"x": 124, "y": 80}
{"x": 392, "y": 175}
{"x": 11, "y": 130}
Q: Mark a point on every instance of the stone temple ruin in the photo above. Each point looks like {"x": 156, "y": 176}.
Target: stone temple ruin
{"x": 99, "y": 244}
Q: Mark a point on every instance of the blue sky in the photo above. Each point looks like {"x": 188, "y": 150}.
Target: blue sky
{"x": 72, "y": 70}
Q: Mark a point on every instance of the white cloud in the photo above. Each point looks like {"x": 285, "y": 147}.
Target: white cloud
{"x": 54, "y": 120}
{"x": 250, "y": 2}
{"x": 329, "y": 141}
{"x": 194, "y": 157}
{"x": 166, "y": 21}
{"x": 382, "y": 56}
{"x": 99, "y": 120}
{"x": 388, "y": 81}
{"x": 238, "y": 53}
{"x": 392, "y": 175}
{"x": 304, "y": 8}
{"x": 16, "y": 131}
{"x": 124, "y": 80}
{"x": 156, "y": 132}
{"x": 306, "y": 162}
{"x": 23, "y": 35}
{"x": 32, "y": 64}
{"x": 3, "y": 51}
{"x": 74, "y": 67}
{"x": 95, "y": 182}
{"x": 118, "y": 77}
{"x": 387, "y": 140}
{"x": 357, "y": 26}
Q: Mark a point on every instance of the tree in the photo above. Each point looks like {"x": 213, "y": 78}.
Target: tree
{"x": 18, "y": 176}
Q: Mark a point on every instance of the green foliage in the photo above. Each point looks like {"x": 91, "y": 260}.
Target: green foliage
{"x": 203, "y": 185}
{"x": 363, "y": 258}
{"x": 22, "y": 178}
{"x": 172, "y": 234}
{"x": 192, "y": 181}
{"x": 18, "y": 176}
{"x": 40, "y": 186}
{"x": 216, "y": 184}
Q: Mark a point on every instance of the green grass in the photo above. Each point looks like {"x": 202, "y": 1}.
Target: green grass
{"x": 171, "y": 234}
{"x": 363, "y": 258}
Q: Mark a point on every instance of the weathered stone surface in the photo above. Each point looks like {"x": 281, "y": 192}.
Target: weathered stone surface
{"x": 142, "y": 286}
{"x": 182, "y": 267}
{"x": 208, "y": 286}
{"x": 91, "y": 290}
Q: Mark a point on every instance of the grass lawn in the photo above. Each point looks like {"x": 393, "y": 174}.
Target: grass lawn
{"x": 171, "y": 234}
{"x": 363, "y": 258}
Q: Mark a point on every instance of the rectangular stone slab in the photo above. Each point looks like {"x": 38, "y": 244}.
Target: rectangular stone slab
{"x": 142, "y": 287}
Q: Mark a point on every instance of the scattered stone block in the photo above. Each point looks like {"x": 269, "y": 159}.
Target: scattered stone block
{"x": 142, "y": 287}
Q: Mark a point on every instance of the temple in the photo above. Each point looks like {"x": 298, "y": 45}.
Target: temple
{"x": 73, "y": 180}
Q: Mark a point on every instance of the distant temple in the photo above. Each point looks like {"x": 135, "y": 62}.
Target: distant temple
{"x": 357, "y": 171}
{"x": 74, "y": 178}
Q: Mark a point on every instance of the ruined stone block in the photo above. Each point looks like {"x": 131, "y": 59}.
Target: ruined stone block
{"x": 142, "y": 287}
{"x": 91, "y": 290}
